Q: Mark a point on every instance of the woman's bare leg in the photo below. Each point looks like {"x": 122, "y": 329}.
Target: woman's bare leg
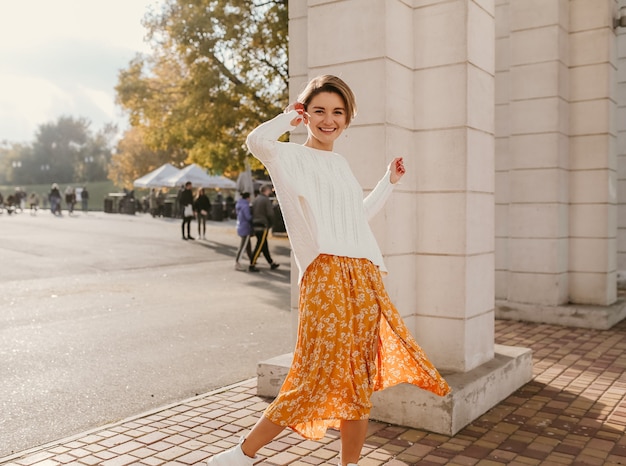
{"x": 261, "y": 434}
{"x": 353, "y": 435}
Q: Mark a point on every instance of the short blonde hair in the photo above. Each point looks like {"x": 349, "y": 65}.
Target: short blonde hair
{"x": 330, "y": 83}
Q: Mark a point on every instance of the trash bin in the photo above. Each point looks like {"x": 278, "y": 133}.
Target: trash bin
{"x": 168, "y": 209}
{"x": 108, "y": 205}
{"x": 279, "y": 223}
{"x": 217, "y": 211}
{"x": 129, "y": 207}
{"x": 230, "y": 210}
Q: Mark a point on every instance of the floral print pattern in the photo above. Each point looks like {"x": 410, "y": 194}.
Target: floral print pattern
{"x": 351, "y": 342}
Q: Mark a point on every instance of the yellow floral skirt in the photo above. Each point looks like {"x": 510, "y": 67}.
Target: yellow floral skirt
{"x": 351, "y": 342}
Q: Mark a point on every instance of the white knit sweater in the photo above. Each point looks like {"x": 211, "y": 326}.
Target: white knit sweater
{"x": 321, "y": 200}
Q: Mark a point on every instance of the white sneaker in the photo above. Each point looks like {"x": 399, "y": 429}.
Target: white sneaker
{"x": 232, "y": 457}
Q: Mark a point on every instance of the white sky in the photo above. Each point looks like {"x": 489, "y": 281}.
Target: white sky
{"x": 62, "y": 57}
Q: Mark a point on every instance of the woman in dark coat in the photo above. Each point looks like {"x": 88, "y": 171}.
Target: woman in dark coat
{"x": 186, "y": 207}
{"x": 202, "y": 207}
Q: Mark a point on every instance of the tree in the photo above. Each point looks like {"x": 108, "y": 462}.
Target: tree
{"x": 134, "y": 159}
{"x": 218, "y": 69}
{"x": 64, "y": 151}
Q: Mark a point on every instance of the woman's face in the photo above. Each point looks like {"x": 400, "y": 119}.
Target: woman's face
{"x": 326, "y": 120}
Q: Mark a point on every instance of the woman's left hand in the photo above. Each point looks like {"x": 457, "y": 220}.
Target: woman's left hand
{"x": 396, "y": 167}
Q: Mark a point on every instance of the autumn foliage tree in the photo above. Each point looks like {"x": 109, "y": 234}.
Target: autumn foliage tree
{"x": 217, "y": 69}
{"x": 134, "y": 158}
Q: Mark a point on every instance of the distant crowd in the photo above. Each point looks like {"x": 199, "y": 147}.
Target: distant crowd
{"x": 20, "y": 201}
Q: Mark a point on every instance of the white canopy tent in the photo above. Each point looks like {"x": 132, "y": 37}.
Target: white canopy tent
{"x": 155, "y": 177}
{"x": 199, "y": 178}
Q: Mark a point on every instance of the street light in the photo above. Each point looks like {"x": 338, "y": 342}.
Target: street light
{"x": 88, "y": 161}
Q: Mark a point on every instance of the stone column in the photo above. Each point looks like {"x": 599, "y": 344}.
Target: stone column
{"x": 423, "y": 75}
{"x": 502, "y": 146}
{"x": 538, "y": 176}
{"x": 621, "y": 152}
{"x": 560, "y": 224}
{"x": 593, "y": 159}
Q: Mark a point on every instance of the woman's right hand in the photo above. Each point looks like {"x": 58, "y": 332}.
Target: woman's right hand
{"x": 302, "y": 115}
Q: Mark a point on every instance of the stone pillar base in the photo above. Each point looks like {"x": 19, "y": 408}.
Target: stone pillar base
{"x": 473, "y": 392}
{"x": 571, "y": 315}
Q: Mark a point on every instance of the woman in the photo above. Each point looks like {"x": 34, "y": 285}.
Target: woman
{"x": 202, "y": 207}
{"x": 185, "y": 201}
{"x": 351, "y": 339}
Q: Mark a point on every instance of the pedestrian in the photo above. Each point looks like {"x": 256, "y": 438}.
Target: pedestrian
{"x": 33, "y": 202}
{"x": 244, "y": 227}
{"x": 262, "y": 219}
{"x": 84, "y": 199}
{"x": 20, "y": 199}
{"x": 351, "y": 339}
{"x": 160, "y": 199}
{"x": 186, "y": 209}
{"x": 202, "y": 207}
{"x": 55, "y": 199}
{"x": 177, "y": 213}
{"x": 70, "y": 199}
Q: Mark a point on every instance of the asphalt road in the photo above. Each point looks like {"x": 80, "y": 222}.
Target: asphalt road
{"x": 104, "y": 316}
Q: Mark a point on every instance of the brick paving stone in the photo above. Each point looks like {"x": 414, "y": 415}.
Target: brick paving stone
{"x": 573, "y": 412}
{"x": 463, "y": 461}
{"x": 127, "y": 447}
{"x": 193, "y": 457}
{"x": 90, "y": 460}
{"x": 367, "y": 461}
{"x": 324, "y": 454}
{"x": 47, "y": 462}
{"x": 282, "y": 458}
{"x": 152, "y": 461}
{"x": 308, "y": 460}
{"x": 123, "y": 460}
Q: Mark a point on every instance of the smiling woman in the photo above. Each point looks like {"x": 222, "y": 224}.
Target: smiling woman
{"x": 64, "y": 60}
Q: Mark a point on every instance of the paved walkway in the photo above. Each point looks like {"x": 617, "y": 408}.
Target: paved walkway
{"x": 573, "y": 412}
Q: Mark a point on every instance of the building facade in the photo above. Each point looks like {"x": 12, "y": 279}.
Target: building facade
{"x": 508, "y": 116}
{"x": 557, "y": 155}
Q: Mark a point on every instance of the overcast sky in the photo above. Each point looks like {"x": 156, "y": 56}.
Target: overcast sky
{"x": 62, "y": 57}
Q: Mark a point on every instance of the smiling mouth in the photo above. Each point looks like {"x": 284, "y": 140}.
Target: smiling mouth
{"x": 327, "y": 130}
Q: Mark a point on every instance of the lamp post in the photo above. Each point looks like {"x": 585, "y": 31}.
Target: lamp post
{"x": 44, "y": 169}
{"x": 88, "y": 161}
{"x": 16, "y": 164}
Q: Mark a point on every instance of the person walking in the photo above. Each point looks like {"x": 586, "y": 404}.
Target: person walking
{"x": 185, "y": 201}
{"x": 70, "y": 199}
{"x": 351, "y": 338}
{"x": 33, "y": 202}
{"x": 202, "y": 207}
{"x": 55, "y": 199}
{"x": 262, "y": 219}
{"x": 244, "y": 227}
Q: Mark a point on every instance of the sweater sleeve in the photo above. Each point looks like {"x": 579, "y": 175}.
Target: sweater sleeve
{"x": 264, "y": 137}
{"x": 375, "y": 200}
